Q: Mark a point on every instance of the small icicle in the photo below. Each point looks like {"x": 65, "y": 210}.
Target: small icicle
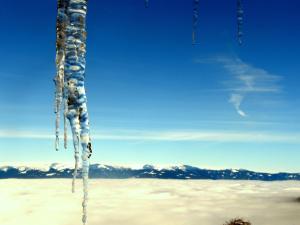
{"x": 86, "y": 154}
{"x": 240, "y": 14}
{"x": 146, "y": 3}
{"x": 195, "y": 21}
{"x": 74, "y": 122}
{"x": 76, "y": 156}
{"x": 58, "y": 100}
{"x": 85, "y": 177}
{"x": 65, "y": 122}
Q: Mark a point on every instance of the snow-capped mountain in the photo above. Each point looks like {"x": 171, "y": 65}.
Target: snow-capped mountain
{"x": 147, "y": 171}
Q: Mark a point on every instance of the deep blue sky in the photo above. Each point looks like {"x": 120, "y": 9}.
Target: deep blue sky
{"x": 152, "y": 96}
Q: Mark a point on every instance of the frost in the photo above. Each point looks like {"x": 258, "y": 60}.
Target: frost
{"x": 69, "y": 81}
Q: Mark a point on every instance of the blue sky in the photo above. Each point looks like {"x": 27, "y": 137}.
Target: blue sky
{"x": 153, "y": 97}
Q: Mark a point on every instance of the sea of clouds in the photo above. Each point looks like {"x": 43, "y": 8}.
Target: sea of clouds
{"x": 149, "y": 202}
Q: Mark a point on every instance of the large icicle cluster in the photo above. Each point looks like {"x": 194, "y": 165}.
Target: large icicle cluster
{"x": 195, "y": 20}
{"x": 240, "y": 14}
{"x": 69, "y": 80}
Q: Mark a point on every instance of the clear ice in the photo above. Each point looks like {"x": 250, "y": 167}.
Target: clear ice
{"x": 69, "y": 81}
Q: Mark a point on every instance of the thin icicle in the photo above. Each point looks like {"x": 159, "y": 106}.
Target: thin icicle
{"x": 240, "y": 15}
{"x": 74, "y": 122}
{"x": 146, "y": 3}
{"x": 195, "y": 21}
{"x": 61, "y": 22}
{"x": 65, "y": 122}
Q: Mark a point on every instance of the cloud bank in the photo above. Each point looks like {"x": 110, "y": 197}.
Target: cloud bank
{"x": 149, "y": 202}
{"x": 177, "y": 135}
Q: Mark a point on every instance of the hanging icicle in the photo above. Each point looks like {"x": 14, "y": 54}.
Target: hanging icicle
{"x": 240, "y": 14}
{"x": 195, "y": 21}
{"x": 61, "y": 23}
{"x": 146, "y": 3}
{"x": 70, "y": 61}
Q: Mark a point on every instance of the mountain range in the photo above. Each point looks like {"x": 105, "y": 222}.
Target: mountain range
{"x": 56, "y": 170}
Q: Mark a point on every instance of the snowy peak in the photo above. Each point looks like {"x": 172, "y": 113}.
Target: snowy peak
{"x": 56, "y": 170}
{"x": 148, "y": 167}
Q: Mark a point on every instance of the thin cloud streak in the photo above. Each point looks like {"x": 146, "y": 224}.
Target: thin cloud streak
{"x": 247, "y": 79}
{"x": 172, "y": 136}
{"x": 236, "y": 100}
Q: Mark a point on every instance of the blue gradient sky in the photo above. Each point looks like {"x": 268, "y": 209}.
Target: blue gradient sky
{"x": 152, "y": 96}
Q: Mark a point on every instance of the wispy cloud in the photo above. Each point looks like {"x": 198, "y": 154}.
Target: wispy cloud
{"x": 195, "y": 135}
{"x": 247, "y": 79}
{"x": 236, "y": 100}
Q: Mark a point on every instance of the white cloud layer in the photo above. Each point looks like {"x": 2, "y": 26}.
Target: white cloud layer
{"x": 136, "y": 135}
{"x": 149, "y": 202}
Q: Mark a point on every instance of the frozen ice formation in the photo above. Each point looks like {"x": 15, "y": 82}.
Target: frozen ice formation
{"x": 146, "y": 3}
{"x": 195, "y": 20}
{"x": 240, "y": 14}
{"x": 69, "y": 81}
{"x": 61, "y": 23}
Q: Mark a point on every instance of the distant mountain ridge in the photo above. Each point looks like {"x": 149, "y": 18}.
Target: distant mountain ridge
{"x": 56, "y": 170}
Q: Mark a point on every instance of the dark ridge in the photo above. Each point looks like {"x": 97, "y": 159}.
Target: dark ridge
{"x": 184, "y": 172}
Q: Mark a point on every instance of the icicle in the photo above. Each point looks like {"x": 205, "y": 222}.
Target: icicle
{"x": 195, "y": 20}
{"x": 75, "y": 124}
{"x": 60, "y": 60}
{"x": 75, "y": 75}
{"x": 65, "y": 98}
{"x": 71, "y": 49}
{"x": 65, "y": 121}
{"x": 146, "y": 3}
{"x": 240, "y": 14}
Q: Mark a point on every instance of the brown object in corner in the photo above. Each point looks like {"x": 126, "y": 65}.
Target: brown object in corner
{"x": 237, "y": 222}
